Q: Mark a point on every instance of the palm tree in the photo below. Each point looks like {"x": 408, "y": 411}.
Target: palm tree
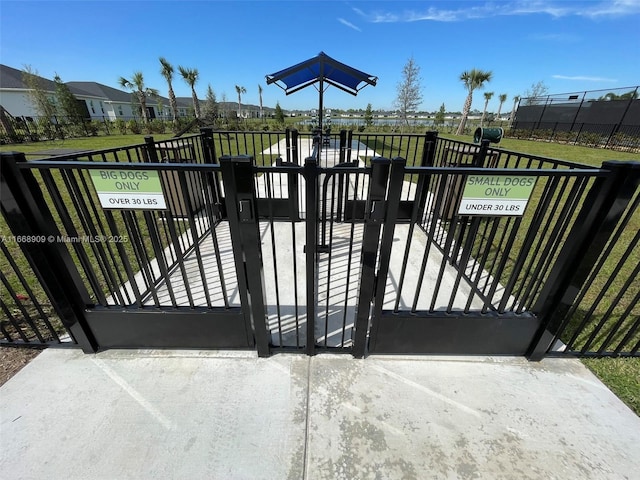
{"x": 487, "y": 97}
{"x": 516, "y": 99}
{"x": 240, "y": 90}
{"x": 167, "y": 73}
{"x": 472, "y": 79}
{"x": 260, "y": 94}
{"x": 190, "y": 75}
{"x": 502, "y": 98}
{"x": 136, "y": 85}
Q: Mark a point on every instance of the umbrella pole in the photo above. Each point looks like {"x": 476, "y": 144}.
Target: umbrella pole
{"x": 320, "y": 114}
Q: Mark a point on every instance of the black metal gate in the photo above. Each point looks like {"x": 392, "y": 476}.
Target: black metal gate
{"x": 350, "y": 252}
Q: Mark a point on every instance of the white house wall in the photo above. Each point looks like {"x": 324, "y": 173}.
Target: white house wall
{"x": 17, "y": 103}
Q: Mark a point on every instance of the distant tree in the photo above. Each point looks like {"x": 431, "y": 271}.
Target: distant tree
{"x": 368, "y": 116}
{"x": 210, "y": 110}
{"x": 409, "y": 90}
{"x": 440, "y": 116}
{"x": 41, "y": 99}
{"x": 240, "y": 90}
{"x": 516, "y": 99}
{"x": 279, "y": 114}
{"x": 66, "y": 102}
{"x": 136, "y": 85}
{"x": 533, "y": 96}
{"x": 260, "y": 95}
{"x": 190, "y": 75}
{"x": 487, "y": 97}
{"x": 472, "y": 80}
{"x": 167, "y": 73}
{"x": 503, "y": 98}
{"x": 225, "y": 106}
{"x": 631, "y": 95}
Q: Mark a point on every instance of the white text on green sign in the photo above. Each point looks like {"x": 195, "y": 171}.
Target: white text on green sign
{"x": 129, "y": 189}
{"x": 493, "y": 195}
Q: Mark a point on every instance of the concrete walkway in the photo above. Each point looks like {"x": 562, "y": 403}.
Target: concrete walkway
{"x": 232, "y": 416}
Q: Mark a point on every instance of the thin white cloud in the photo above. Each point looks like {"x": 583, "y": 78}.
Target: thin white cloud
{"x": 584, "y": 78}
{"x": 615, "y": 8}
{"x": 349, "y": 24}
{"x": 553, "y": 8}
{"x": 555, "y": 37}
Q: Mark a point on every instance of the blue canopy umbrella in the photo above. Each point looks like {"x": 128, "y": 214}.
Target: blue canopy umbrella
{"x": 325, "y": 71}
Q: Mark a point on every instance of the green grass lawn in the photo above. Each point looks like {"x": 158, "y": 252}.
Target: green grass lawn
{"x": 88, "y": 143}
{"x": 621, "y": 375}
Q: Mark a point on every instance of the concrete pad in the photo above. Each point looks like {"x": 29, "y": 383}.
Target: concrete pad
{"x": 154, "y": 415}
{"x": 466, "y": 418}
{"x": 147, "y": 414}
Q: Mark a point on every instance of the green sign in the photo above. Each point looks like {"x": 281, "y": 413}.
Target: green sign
{"x": 492, "y": 195}
{"x": 129, "y": 189}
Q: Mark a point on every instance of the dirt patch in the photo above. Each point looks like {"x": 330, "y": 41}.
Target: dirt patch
{"x": 12, "y": 360}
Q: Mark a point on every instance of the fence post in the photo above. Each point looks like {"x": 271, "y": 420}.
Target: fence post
{"x": 311, "y": 242}
{"x": 208, "y": 147}
{"x": 150, "y": 149}
{"x": 480, "y": 157}
{"x": 343, "y": 146}
{"x": 429, "y": 149}
{"x": 428, "y": 160}
{"x": 294, "y": 146}
{"x": 386, "y": 244}
{"x": 27, "y": 214}
{"x": 374, "y": 217}
{"x": 241, "y": 205}
{"x": 603, "y": 207}
{"x": 577, "y": 139}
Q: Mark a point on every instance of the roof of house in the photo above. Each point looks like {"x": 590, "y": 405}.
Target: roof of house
{"x": 12, "y": 78}
{"x": 96, "y": 89}
{"x": 185, "y": 101}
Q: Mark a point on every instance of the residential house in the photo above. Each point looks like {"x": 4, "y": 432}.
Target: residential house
{"x": 97, "y": 101}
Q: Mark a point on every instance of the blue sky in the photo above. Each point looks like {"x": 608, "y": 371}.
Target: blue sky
{"x": 570, "y": 45}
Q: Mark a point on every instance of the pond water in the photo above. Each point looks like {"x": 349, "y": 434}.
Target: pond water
{"x": 376, "y": 121}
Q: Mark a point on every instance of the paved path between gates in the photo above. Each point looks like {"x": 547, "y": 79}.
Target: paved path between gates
{"x": 230, "y": 415}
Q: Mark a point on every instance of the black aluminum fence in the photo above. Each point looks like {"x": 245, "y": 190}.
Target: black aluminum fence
{"x": 613, "y": 136}
{"x": 29, "y": 317}
{"x": 112, "y": 248}
{"x": 55, "y": 129}
{"x": 598, "y": 118}
{"x": 602, "y": 317}
{"x": 321, "y": 248}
